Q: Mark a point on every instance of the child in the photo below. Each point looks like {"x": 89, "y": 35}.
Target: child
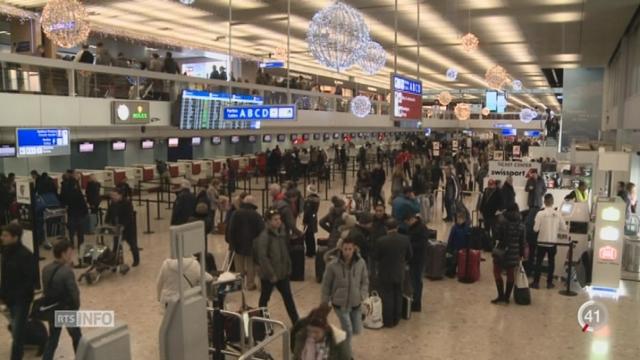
{"x": 458, "y": 240}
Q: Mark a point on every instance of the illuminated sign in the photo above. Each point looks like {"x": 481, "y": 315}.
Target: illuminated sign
{"x": 130, "y": 112}
{"x": 267, "y": 112}
{"x": 43, "y": 142}
{"x": 407, "y": 98}
{"x": 609, "y": 233}
{"x": 610, "y": 214}
{"x": 608, "y": 253}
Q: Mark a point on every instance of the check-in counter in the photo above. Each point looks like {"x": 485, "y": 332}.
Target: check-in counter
{"x": 215, "y": 166}
{"x": 149, "y": 171}
{"x": 129, "y": 174}
{"x": 104, "y": 177}
{"x": 194, "y": 169}
{"x": 177, "y": 169}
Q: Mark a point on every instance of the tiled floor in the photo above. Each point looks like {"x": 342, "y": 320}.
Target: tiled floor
{"x": 458, "y": 322}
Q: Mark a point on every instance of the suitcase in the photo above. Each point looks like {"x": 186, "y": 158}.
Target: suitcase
{"x": 297, "y": 262}
{"x": 468, "y": 265}
{"x": 436, "y": 260}
{"x": 406, "y": 307}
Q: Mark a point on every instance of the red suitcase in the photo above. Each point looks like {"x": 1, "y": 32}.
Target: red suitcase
{"x": 468, "y": 265}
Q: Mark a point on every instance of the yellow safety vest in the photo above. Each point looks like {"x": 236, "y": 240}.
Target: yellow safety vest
{"x": 580, "y": 196}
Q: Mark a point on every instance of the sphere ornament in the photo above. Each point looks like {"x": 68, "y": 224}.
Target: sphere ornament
{"x": 65, "y": 22}
{"x": 469, "y": 42}
{"x": 444, "y": 98}
{"x": 361, "y": 106}
{"x": 485, "y": 111}
{"x": 452, "y": 74}
{"x": 516, "y": 85}
{"x": 462, "y": 111}
{"x": 496, "y": 77}
{"x": 338, "y": 36}
{"x": 373, "y": 59}
{"x": 526, "y": 115}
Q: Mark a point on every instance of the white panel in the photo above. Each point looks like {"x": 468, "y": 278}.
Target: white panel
{"x": 94, "y": 112}
{"x": 162, "y": 111}
{"x": 59, "y": 110}
{"x": 20, "y": 110}
{"x": 631, "y": 111}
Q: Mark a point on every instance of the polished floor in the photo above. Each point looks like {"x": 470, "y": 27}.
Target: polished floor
{"x": 457, "y": 321}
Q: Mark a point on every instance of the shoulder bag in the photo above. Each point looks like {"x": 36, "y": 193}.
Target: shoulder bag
{"x": 44, "y": 307}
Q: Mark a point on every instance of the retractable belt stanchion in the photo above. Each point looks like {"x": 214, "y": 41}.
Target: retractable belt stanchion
{"x": 158, "y": 205}
{"x": 568, "y": 291}
{"x": 139, "y": 192}
{"x": 326, "y": 188}
{"x": 344, "y": 182}
{"x": 148, "y": 219}
{"x": 304, "y": 185}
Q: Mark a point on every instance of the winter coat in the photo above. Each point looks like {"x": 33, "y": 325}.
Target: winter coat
{"x": 281, "y": 204}
{"x": 336, "y": 338}
{"x": 402, "y": 206}
{"x": 93, "y": 194}
{"x": 507, "y": 195}
{"x": 271, "y": 252}
{"x": 510, "y": 235}
{"x": 458, "y": 238}
{"x": 331, "y": 223}
{"x": 168, "y": 282}
{"x": 344, "y": 285}
{"x": 535, "y": 190}
{"x": 418, "y": 236}
{"x": 310, "y": 214}
{"x": 245, "y": 226}
{"x": 62, "y": 287}
{"x": 121, "y": 213}
{"x": 491, "y": 203}
{"x": 393, "y": 252}
{"x": 183, "y": 208}
{"x": 17, "y": 275}
{"x": 378, "y": 178}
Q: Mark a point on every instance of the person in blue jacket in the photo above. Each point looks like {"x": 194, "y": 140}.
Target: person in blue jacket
{"x": 458, "y": 240}
{"x": 404, "y": 206}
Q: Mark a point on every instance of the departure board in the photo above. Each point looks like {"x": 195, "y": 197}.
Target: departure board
{"x": 43, "y": 142}
{"x": 202, "y": 110}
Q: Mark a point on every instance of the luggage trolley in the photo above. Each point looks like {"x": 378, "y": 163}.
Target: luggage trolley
{"x": 54, "y": 223}
{"x": 102, "y": 257}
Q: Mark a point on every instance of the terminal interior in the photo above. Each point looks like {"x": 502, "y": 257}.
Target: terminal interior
{"x": 153, "y": 99}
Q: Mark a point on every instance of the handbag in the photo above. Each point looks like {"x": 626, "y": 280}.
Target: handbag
{"x": 372, "y": 311}
{"x": 521, "y": 292}
{"x": 498, "y": 254}
{"x": 43, "y": 308}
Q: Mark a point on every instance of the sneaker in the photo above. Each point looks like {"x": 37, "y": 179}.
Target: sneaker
{"x": 534, "y": 285}
{"x": 550, "y": 285}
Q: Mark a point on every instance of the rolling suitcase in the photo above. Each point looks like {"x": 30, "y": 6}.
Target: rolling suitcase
{"x": 436, "y": 260}
{"x": 468, "y": 265}
{"x": 297, "y": 260}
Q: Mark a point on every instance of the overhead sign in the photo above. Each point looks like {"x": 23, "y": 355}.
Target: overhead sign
{"x": 407, "y": 98}
{"x": 608, "y": 243}
{"x": 262, "y": 113}
{"x": 43, "y": 142}
{"x": 277, "y": 64}
{"x": 130, "y": 112}
{"x": 518, "y": 170}
{"x": 516, "y": 151}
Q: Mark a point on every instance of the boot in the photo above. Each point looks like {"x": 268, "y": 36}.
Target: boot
{"x": 507, "y": 295}
{"x": 136, "y": 259}
{"x": 500, "y": 288}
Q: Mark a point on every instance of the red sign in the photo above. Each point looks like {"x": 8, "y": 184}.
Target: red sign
{"x": 407, "y": 106}
{"x": 608, "y": 253}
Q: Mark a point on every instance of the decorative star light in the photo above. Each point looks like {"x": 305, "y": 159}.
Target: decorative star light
{"x": 373, "y": 59}
{"x": 444, "y": 98}
{"x": 485, "y": 111}
{"x": 469, "y": 42}
{"x": 280, "y": 53}
{"x": 452, "y": 74}
{"x": 65, "y": 22}
{"x": 462, "y": 111}
{"x": 338, "y": 36}
{"x": 496, "y": 77}
{"x": 516, "y": 85}
{"x": 526, "y": 115}
{"x": 361, "y": 106}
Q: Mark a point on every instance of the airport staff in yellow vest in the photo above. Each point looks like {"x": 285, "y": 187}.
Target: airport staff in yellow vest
{"x": 580, "y": 194}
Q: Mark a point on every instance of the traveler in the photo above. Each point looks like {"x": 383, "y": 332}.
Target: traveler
{"x": 579, "y": 194}
{"x": 419, "y": 181}
{"x": 310, "y": 219}
{"x": 379, "y": 223}
{"x": 120, "y": 213}
{"x": 360, "y": 235}
{"x": 405, "y": 205}
{"x": 103, "y": 57}
{"x": 59, "y": 284}
{"x": 294, "y": 198}
{"x": 244, "y": 227}
{"x": 393, "y": 251}
{"x": 121, "y": 61}
{"x": 170, "y": 65}
{"x": 378, "y": 177}
{"x": 508, "y": 253}
{"x": 535, "y": 189}
{"x": 490, "y": 203}
{"x": 213, "y": 194}
{"x": 418, "y": 234}
{"x": 168, "y": 283}
{"x": 163, "y": 173}
{"x": 156, "y": 64}
{"x": 344, "y": 285}
{"x": 215, "y": 75}
{"x": 305, "y": 159}
{"x": 185, "y": 204}
{"x": 313, "y": 338}
{"x": 271, "y": 251}
{"x": 93, "y": 194}
{"x": 84, "y": 77}
{"x": 451, "y": 193}
{"x": 17, "y": 282}
{"x": 77, "y": 211}
{"x": 333, "y": 220}
{"x": 458, "y": 240}
{"x": 231, "y": 175}
{"x": 280, "y": 203}
{"x": 398, "y": 181}
{"x": 548, "y": 223}
{"x": 507, "y": 193}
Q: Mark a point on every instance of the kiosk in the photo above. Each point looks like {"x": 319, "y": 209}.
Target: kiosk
{"x": 607, "y": 245}
{"x": 105, "y": 344}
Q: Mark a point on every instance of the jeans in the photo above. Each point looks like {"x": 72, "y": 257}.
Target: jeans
{"x": 76, "y": 226}
{"x": 416, "y": 271}
{"x": 18, "y": 314}
{"x": 54, "y": 338}
{"x": 541, "y": 251}
{"x": 284, "y": 287}
{"x": 350, "y": 321}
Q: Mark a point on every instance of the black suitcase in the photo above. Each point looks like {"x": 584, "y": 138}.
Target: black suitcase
{"x": 436, "y": 260}
{"x": 297, "y": 262}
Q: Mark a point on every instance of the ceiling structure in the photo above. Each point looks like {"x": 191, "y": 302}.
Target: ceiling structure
{"x": 523, "y": 36}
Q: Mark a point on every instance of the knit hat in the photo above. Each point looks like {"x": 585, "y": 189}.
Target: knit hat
{"x": 185, "y": 184}
{"x": 311, "y": 189}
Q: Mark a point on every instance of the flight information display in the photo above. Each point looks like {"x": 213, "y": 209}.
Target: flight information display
{"x": 407, "y": 98}
{"x": 203, "y": 110}
{"x": 42, "y": 142}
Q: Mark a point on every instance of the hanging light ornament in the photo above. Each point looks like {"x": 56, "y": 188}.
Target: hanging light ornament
{"x": 469, "y": 42}
{"x": 65, "y": 22}
{"x": 485, "y": 111}
{"x": 452, "y": 74}
{"x": 373, "y": 59}
{"x": 361, "y": 106}
{"x": 444, "y": 98}
{"x": 516, "y": 85}
{"x": 280, "y": 53}
{"x": 496, "y": 77}
{"x": 526, "y": 115}
{"x": 187, "y": 2}
{"x": 462, "y": 111}
{"x": 338, "y": 36}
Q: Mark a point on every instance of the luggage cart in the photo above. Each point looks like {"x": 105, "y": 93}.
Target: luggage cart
{"x": 102, "y": 257}
{"x": 54, "y": 223}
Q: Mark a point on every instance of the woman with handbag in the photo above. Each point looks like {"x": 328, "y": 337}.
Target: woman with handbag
{"x": 508, "y": 252}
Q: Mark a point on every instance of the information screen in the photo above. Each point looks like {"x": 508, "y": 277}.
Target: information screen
{"x": 502, "y": 103}
{"x": 42, "y": 142}
{"x": 235, "y": 139}
{"x": 173, "y": 142}
{"x": 7, "y": 151}
{"x": 216, "y": 140}
{"x": 196, "y": 141}
{"x": 118, "y": 145}
{"x": 491, "y": 100}
{"x": 282, "y": 137}
{"x": 147, "y": 144}
{"x": 204, "y": 110}
{"x": 253, "y": 138}
{"x": 266, "y": 138}
{"x": 85, "y": 147}
{"x": 407, "y": 98}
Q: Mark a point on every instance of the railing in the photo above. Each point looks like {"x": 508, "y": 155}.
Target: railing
{"x": 36, "y": 75}
{"x": 283, "y": 332}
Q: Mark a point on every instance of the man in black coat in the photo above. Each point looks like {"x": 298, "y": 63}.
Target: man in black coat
{"x": 310, "y": 219}
{"x": 93, "y": 194}
{"x": 378, "y": 177}
{"x": 77, "y": 210}
{"x": 418, "y": 235}
{"x": 121, "y": 213}
{"x": 17, "y": 281}
{"x": 490, "y": 203}
{"x": 244, "y": 227}
{"x": 393, "y": 253}
{"x": 185, "y": 204}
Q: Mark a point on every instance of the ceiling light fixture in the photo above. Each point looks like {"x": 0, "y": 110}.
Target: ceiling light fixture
{"x": 526, "y": 115}
{"x": 337, "y": 36}
{"x": 462, "y": 111}
{"x": 485, "y": 111}
{"x": 187, "y": 2}
{"x": 361, "y": 106}
{"x": 496, "y": 77}
{"x": 444, "y": 98}
{"x": 469, "y": 42}
{"x": 65, "y": 22}
{"x": 373, "y": 59}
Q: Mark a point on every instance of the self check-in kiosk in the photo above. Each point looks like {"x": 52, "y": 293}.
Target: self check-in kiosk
{"x": 105, "y": 344}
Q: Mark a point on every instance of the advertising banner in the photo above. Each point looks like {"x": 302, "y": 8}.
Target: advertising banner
{"x": 518, "y": 170}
